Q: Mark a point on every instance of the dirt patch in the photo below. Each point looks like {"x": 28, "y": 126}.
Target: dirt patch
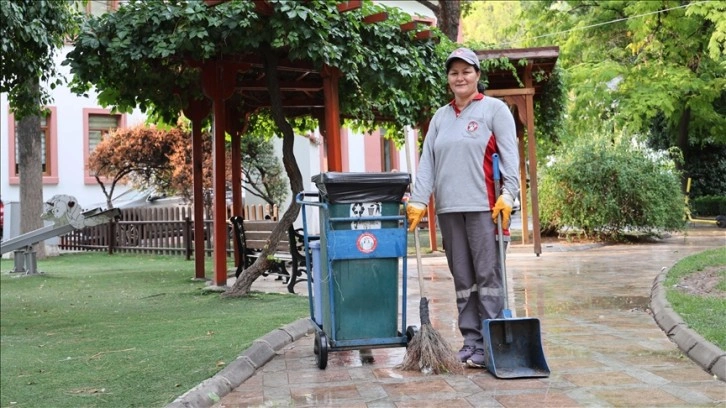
{"x": 703, "y": 283}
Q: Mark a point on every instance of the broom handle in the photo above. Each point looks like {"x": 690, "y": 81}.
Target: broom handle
{"x": 500, "y": 232}
{"x": 419, "y": 269}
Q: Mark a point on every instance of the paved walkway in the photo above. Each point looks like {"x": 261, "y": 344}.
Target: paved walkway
{"x": 601, "y": 341}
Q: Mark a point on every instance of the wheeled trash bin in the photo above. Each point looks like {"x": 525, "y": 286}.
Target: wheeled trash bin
{"x": 363, "y": 243}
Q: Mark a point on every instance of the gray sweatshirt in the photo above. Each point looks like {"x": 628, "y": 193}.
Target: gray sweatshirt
{"x": 456, "y": 162}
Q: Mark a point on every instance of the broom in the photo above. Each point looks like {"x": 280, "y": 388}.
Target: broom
{"x": 427, "y": 351}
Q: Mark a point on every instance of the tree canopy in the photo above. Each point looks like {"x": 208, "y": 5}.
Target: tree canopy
{"x": 130, "y": 55}
{"x": 30, "y": 32}
{"x": 636, "y": 62}
{"x": 142, "y": 155}
{"x": 153, "y": 53}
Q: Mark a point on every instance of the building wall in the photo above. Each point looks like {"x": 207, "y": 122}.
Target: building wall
{"x": 69, "y": 124}
{"x": 361, "y": 153}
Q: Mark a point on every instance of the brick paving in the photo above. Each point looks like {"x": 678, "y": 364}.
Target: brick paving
{"x": 601, "y": 341}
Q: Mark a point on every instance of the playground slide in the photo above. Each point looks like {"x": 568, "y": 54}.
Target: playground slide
{"x": 67, "y": 215}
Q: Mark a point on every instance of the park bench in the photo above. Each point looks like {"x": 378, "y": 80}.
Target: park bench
{"x": 289, "y": 263}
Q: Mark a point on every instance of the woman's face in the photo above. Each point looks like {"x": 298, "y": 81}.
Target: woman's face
{"x": 462, "y": 79}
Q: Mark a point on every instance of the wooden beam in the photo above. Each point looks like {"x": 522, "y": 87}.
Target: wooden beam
{"x": 285, "y": 86}
{"x": 297, "y": 103}
{"x": 509, "y": 92}
{"x": 349, "y": 5}
{"x": 410, "y": 26}
{"x": 375, "y": 18}
{"x": 263, "y": 7}
{"x": 424, "y": 35}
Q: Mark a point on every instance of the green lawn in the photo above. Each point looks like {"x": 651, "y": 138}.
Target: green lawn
{"x": 704, "y": 314}
{"x": 135, "y": 331}
{"x": 122, "y": 330}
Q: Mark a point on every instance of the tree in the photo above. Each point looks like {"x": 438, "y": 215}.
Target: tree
{"x": 145, "y": 49}
{"x": 261, "y": 171}
{"x": 30, "y": 33}
{"x": 619, "y": 189}
{"x": 638, "y": 63}
{"x": 141, "y": 155}
{"x": 448, "y": 13}
{"x": 486, "y": 22}
{"x": 160, "y": 158}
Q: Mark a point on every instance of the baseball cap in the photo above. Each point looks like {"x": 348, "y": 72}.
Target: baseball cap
{"x": 465, "y": 55}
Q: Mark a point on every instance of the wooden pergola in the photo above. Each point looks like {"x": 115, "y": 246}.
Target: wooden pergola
{"x": 504, "y": 85}
{"x": 519, "y": 93}
{"x": 236, "y": 88}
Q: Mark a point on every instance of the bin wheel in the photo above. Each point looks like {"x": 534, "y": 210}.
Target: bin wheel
{"x": 411, "y": 331}
{"x": 321, "y": 350}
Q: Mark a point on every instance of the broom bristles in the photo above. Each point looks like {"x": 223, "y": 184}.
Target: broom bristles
{"x": 428, "y": 351}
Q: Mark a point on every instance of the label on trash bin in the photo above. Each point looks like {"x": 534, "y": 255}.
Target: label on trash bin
{"x": 371, "y": 209}
{"x": 366, "y": 242}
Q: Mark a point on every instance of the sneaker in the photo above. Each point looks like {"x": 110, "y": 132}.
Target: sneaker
{"x": 477, "y": 359}
{"x": 465, "y": 353}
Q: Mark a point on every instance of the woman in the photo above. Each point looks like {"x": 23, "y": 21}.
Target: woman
{"x": 456, "y": 166}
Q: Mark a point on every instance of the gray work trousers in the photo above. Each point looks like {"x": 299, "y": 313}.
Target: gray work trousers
{"x": 473, "y": 257}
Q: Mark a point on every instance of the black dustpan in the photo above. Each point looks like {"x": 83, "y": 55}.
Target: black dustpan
{"x": 513, "y": 346}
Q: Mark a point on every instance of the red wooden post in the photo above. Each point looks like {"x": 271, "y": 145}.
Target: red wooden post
{"x": 532, "y": 156}
{"x": 236, "y": 124}
{"x": 215, "y": 75}
{"x": 196, "y": 112}
{"x": 332, "y": 117}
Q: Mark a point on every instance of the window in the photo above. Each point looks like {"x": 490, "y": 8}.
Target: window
{"x": 97, "y": 124}
{"x": 48, "y": 143}
{"x": 98, "y": 128}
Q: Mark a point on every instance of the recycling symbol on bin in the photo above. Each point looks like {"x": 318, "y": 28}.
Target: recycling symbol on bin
{"x": 357, "y": 209}
{"x": 362, "y": 210}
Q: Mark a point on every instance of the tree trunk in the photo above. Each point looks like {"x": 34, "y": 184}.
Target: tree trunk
{"x": 682, "y": 143}
{"x": 243, "y": 284}
{"x": 30, "y": 167}
{"x": 448, "y": 16}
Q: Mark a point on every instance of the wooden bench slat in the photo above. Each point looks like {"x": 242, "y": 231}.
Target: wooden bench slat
{"x": 258, "y": 245}
{"x": 260, "y": 236}
{"x": 259, "y": 225}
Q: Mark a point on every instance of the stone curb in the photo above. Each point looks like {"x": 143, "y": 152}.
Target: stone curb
{"x": 701, "y": 351}
{"x": 210, "y": 391}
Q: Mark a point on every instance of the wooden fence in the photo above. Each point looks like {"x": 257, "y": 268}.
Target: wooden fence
{"x": 164, "y": 230}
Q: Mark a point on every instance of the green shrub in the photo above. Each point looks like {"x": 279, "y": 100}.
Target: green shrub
{"x": 608, "y": 189}
{"x": 709, "y": 205}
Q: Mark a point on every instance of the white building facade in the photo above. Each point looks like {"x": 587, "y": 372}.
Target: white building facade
{"x": 75, "y": 124}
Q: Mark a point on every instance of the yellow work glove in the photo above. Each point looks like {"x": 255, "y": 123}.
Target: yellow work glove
{"x": 415, "y": 213}
{"x": 503, "y": 206}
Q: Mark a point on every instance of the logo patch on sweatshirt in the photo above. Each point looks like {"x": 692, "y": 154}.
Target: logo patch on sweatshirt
{"x": 472, "y": 127}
